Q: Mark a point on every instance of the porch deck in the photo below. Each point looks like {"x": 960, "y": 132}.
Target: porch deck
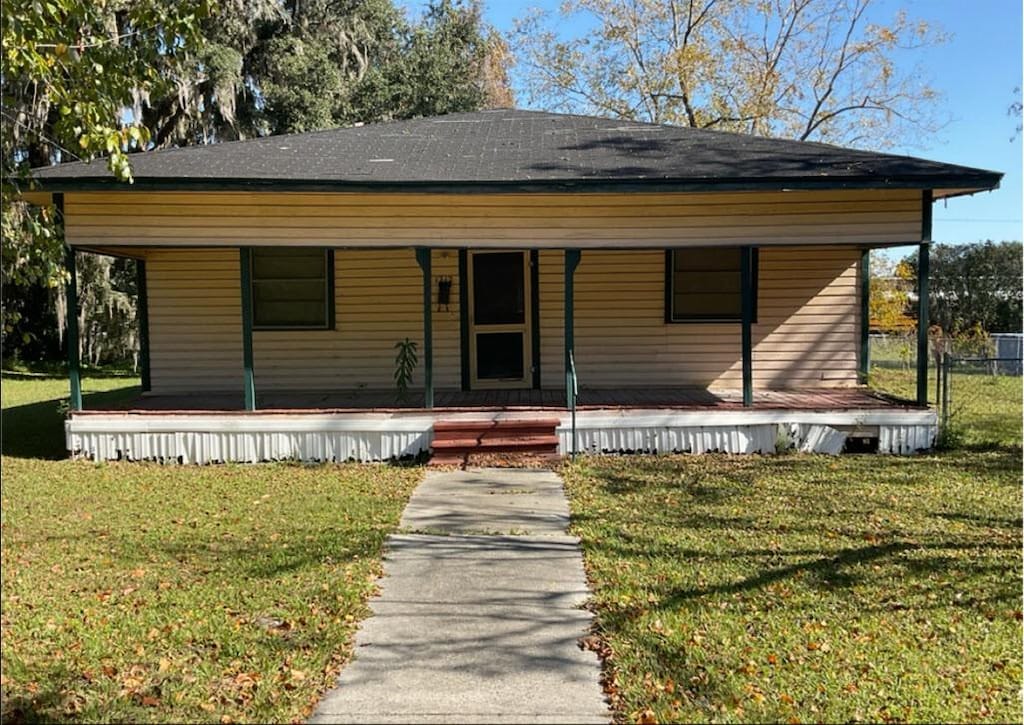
{"x": 375, "y": 426}
{"x": 455, "y": 401}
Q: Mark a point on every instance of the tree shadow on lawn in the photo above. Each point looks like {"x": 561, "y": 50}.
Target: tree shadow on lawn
{"x": 36, "y": 430}
{"x": 38, "y": 708}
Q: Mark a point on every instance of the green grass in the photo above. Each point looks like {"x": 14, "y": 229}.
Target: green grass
{"x": 802, "y": 588}
{"x": 985, "y": 410}
{"x": 34, "y": 405}
{"x": 138, "y": 592}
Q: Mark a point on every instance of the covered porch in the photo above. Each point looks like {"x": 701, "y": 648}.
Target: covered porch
{"x": 515, "y": 400}
{"x": 373, "y": 426}
{"x": 339, "y": 419}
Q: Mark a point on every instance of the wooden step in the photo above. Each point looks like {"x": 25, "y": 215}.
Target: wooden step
{"x": 482, "y": 426}
{"x": 497, "y": 434}
{"x": 507, "y": 443}
{"x": 457, "y": 440}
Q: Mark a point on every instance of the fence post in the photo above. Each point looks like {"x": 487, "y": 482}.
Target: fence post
{"x": 947, "y": 363}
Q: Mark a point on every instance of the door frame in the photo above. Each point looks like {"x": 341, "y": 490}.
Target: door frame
{"x": 530, "y": 325}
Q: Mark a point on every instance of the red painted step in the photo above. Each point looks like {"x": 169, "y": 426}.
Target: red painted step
{"x": 505, "y": 444}
{"x": 455, "y": 440}
{"x": 467, "y": 426}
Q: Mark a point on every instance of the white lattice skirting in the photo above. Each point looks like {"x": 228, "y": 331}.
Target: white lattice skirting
{"x": 218, "y": 438}
{"x": 223, "y": 438}
{"x": 899, "y": 432}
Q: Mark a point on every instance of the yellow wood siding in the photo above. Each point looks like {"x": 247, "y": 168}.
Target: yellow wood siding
{"x": 807, "y": 331}
{"x": 195, "y": 320}
{"x": 492, "y": 220}
{"x": 806, "y": 334}
{"x": 378, "y": 302}
{"x": 195, "y": 324}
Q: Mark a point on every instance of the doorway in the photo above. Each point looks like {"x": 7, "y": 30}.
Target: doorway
{"x": 500, "y": 318}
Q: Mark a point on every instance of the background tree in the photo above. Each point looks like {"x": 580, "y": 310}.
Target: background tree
{"x": 974, "y": 285}
{"x": 889, "y": 298}
{"x": 69, "y": 69}
{"x": 1014, "y": 111}
{"x": 804, "y": 69}
{"x": 114, "y": 78}
{"x": 270, "y": 67}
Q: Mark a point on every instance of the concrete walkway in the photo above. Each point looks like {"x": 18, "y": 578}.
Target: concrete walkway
{"x": 479, "y": 612}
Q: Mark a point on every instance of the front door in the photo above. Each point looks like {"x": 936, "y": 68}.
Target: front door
{"x": 499, "y": 319}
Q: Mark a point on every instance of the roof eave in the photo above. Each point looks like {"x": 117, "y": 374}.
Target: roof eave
{"x": 957, "y": 184}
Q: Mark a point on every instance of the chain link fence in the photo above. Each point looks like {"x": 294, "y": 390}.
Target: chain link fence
{"x": 978, "y": 397}
{"x": 980, "y": 401}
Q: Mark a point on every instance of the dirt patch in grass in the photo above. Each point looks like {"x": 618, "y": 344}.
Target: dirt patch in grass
{"x": 791, "y": 588}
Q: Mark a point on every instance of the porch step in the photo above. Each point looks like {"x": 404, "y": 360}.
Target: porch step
{"x": 456, "y": 440}
{"x": 444, "y": 427}
{"x": 540, "y": 443}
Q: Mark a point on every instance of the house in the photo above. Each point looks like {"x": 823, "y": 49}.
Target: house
{"x": 617, "y": 285}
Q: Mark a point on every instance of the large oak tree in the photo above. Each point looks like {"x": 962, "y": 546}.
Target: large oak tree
{"x": 806, "y": 69}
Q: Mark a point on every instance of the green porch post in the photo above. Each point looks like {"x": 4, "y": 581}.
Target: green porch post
{"x": 922, "y": 323}
{"x": 71, "y": 315}
{"x": 572, "y": 261}
{"x": 143, "y": 319}
{"x": 864, "y": 362}
{"x": 747, "y": 318}
{"x": 249, "y": 382}
{"x": 423, "y": 258}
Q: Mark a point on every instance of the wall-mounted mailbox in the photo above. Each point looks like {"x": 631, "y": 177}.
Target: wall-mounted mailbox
{"x": 444, "y": 292}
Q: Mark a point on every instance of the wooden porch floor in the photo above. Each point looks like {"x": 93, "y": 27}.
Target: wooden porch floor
{"x": 554, "y": 400}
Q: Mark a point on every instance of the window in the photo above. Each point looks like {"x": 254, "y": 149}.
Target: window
{"x": 703, "y": 284}
{"x": 292, "y": 288}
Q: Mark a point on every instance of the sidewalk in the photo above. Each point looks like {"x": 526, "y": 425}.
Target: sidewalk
{"x": 479, "y": 615}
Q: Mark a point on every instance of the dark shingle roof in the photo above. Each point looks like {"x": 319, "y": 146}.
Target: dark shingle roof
{"x": 519, "y": 150}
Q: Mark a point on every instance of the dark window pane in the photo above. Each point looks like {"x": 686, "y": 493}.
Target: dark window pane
{"x": 706, "y": 284}
{"x": 499, "y": 355}
{"x": 289, "y": 287}
{"x": 498, "y": 293}
{"x": 271, "y": 263}
{"x": 708, "y": 305}
{"x": 291, "y": 314}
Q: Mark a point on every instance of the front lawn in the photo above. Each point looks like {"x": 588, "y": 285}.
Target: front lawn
{"x": 139, "y": 592}
{"x": 803, "y": 588}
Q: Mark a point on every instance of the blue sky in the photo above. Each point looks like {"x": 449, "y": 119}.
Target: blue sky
{"x": 976, "y": 73}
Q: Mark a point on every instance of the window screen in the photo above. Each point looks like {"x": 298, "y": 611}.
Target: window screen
{"x": 292, "y": 288}
{"x": 704, "y": 284}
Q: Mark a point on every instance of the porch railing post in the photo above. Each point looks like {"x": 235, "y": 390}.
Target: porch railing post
{"x": 423, "y": 259}
{"x": 747, "y": 317}
{"x": 572, "y": 260}
{"x": 922, "y": 323}
{"x": 71, "y": 316}
{"x": 142, "y": 315}
{"x": 249, "y": 382}
{"x": 864, "y": 363}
